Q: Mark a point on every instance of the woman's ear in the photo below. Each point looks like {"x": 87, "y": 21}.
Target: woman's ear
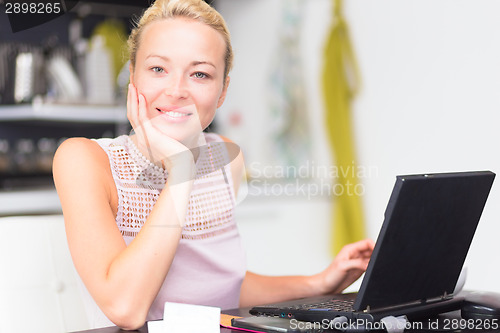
{"x": 224, "y": 92}
{"x": 131, "y": 70}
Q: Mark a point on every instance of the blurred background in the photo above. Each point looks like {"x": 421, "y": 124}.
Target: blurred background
{"x": 428, "y": 102}
{"x": 425, "y": 99}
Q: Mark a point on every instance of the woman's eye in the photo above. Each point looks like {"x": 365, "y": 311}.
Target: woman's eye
{"x": 157, "y": 69}
{"x": 200, "y": 75}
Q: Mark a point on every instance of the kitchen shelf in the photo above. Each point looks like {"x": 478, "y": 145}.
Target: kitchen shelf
{"x": 64, "y": 113}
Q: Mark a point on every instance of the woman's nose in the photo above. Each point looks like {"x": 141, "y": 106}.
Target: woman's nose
{"x": 176, "y": 87}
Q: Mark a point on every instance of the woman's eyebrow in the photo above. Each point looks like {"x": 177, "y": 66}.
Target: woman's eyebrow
{"x": 193, "y": 63}
{"x": 196, "y": 63}
{"x": 158, "y": 56}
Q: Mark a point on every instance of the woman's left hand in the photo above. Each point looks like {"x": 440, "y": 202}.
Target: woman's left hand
{"x": 349, "y": 264}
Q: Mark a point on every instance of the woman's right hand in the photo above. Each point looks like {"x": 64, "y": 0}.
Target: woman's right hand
{"x": 159, "y": 145}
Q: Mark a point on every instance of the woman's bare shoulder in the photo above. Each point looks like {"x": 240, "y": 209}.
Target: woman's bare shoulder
{"x": 76, "y": 151}
{"x": 79, "y": 146}
{"x": 80, "y": 158}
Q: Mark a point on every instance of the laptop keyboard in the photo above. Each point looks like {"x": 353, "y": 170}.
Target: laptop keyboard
{"x": 334, "y": 304}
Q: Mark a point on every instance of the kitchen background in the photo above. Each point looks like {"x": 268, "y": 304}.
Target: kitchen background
{"x": 428, "y": 102}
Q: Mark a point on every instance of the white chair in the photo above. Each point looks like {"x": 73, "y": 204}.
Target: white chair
{"x": 38, "y": 288}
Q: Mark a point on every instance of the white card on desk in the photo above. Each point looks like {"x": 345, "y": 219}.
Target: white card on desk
{"x": 156, "y": 327}
{"x": 187, "y": 318}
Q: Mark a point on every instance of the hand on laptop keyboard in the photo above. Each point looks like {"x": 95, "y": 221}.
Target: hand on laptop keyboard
{"x": 349, "y": 264}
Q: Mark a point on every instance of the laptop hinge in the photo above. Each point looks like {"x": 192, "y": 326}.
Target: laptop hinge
{"x": 443, "y": 297}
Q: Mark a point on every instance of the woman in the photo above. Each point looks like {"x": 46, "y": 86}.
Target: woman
{"x": 149, "y": 216}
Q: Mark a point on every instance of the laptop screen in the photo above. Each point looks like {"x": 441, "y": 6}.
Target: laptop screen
{"x": 427, "y": 231}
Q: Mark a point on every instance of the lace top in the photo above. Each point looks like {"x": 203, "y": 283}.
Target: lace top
{"x": 209, "y": 264}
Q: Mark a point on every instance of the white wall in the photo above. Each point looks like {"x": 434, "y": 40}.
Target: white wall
{"x": 429, "y": 100}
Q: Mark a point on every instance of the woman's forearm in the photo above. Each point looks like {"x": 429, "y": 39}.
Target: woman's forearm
{"x": 153, "y": 249}
{"x": 347, "y": 267}
{"x": 260, "y": 289}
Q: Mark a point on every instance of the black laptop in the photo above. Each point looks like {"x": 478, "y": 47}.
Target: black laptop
{"x": 429, "y": 224}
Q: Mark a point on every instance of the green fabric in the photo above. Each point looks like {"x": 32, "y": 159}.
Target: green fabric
{"x": 340, "y": 83}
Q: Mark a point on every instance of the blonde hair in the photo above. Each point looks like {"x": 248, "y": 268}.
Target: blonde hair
{"x": 194, "y": 9}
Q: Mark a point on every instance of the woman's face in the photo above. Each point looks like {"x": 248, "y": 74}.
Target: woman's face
{"x": 180, "y": 71}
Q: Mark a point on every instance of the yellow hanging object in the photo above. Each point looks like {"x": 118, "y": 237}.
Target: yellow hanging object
{"x": 115, "y": 35}
{"x": 340, "y": 83}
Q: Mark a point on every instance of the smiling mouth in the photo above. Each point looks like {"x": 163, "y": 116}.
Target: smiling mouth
{"x": 175, "y": 114}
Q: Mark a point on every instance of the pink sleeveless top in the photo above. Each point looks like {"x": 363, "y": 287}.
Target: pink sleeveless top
{"x": 209, "y": 265}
